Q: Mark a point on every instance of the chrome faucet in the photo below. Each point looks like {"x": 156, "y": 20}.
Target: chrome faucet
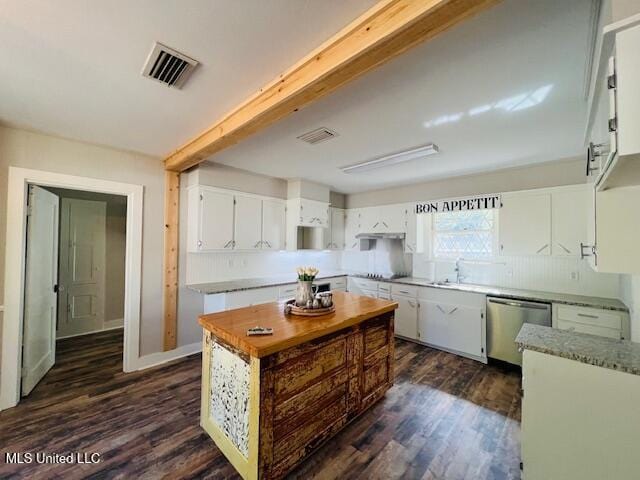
{"x": 459, "y": 278}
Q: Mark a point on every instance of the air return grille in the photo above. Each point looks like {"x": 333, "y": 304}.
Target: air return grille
{"x": 168, "y": 66}
{"x": 318, "y": 135}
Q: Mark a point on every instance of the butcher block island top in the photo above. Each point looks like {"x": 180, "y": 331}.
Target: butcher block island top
{"x": 289, "y": 330}
{"x": 268, "y": 402}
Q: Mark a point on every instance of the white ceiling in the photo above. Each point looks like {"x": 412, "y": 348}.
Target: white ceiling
{"x": 504, "y": 89}
{"x": 72, "y": 67}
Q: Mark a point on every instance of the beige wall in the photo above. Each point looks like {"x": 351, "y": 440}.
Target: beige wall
{"x": 25, "y": 149}
{"x": 567, "y": 172}
{"x": 223, "y": 176}
{"x": 621, "y": 9}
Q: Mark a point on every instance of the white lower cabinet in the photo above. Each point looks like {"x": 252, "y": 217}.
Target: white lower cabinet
{"x": 406, "y": 316}
{"x": 453, "y": 321}
{"x": 595, "y": 321}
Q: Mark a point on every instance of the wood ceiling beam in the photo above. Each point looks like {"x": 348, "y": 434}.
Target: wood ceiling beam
{"x": 387, "y": 30}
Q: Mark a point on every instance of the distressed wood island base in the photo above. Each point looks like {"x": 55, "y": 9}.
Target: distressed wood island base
{"x": 268, "y": 402}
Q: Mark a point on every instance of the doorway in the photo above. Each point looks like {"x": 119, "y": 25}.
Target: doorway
{"x": 19, "y": 180}
{"x": 75, "y": 274}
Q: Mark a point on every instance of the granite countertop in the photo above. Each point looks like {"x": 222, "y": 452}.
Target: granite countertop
{"x": 251, "y": 283}
{"x": 621, "y": 355}
{"x": 513, "y": 293}
{"x": 518, "y": 294}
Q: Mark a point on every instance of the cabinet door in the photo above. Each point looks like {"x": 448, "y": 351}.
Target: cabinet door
{"x": 465, "y": 330}
{"x": 432, "y": 323}
{"x": 248, "y": 223}
{"x": 525, "y": 224}
{"x": 392, "y": 218}
{"x": 314, "y": 214}
{"x": 569, "y": 221}
{"x": 216, "y": 221}
{"x": 411, "y": 230}
{"x": 337, "y": 229}
{"x": 273, "y": 225}
{"x": 370, "y": 220}
{"x": 406, "y": 317}
{"x": 351, "y": 229}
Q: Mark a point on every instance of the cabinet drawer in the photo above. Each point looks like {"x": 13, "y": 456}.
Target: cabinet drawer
{"x": 366, "y": 284}
{"x": 300, "y": 372}
{"x": 590, "y": 316}
{"x": 338, "y": 284}
{"x": 287, "y": 291}
{"x": 376, "y": 375}
{"x": 591, "y": 329}
{"x": 407, "y": 290}
{"x": 384, "y": 287}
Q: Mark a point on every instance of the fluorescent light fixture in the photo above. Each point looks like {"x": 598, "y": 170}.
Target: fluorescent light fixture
{"x": 393, "y": 159}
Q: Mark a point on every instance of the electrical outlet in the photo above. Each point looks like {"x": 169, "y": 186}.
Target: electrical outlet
{"x": 575, "y": 276}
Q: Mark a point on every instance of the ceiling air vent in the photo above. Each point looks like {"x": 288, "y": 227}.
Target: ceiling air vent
{"x": 318, "y": 135}
{"x": 168, "y": 66}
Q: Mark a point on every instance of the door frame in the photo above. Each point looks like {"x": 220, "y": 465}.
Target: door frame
{"x": 15, "y": 251}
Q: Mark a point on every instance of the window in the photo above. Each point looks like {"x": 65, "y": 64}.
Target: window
{"x": 468, "y": 234}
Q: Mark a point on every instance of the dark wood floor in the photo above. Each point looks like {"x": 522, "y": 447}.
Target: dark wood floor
{"x": 446, "y": 418}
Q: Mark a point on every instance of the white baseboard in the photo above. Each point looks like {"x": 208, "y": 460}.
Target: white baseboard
{"x": 158, "y": 358}
{"x": 89, "y": 333}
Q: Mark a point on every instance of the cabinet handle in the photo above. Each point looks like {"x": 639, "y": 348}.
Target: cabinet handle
{"x": 564, "y": 248}
{"x": 268, "y": 244}
{"x": 613, "y": 125}
{"x": 385, "y": 224}
{"x": 413, "y": 305}
{"x": 585, "y": 255}
{"x": 377, "y": 223}
{"x": 542, "y": 248}
{"x": 440, "y": 308}
{"x": 586, "y": 315}
{"x": 455, "y": 308}
{"x": 226, "y": 245}
{"x": 409, "y": 247}
{"x": 404, "y": 291}
{"x": 257, "y": 244}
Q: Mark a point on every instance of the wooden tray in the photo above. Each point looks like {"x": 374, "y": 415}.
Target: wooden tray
{"x": 308, "y": 312}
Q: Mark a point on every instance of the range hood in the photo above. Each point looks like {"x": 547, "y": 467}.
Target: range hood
{"x": 376, "y": 236}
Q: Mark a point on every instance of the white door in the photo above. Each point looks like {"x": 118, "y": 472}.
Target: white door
{"x": 406, "y": 317}
{"x": 216, "y": 221}
{"x": 569, "y": 217}
{"x": 39, "y": 338}
{"x": 525, "y": 224}
{"x": 82, "y": 266}
{"x": 337, "y": 229}
{"x": 465, "y": 329}
{"x": 248, "y": 223}
{"x": 273, "y": 225}
{"x": 432, "y": 323}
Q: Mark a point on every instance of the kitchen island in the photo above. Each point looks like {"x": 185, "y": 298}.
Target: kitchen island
{"x": 269, "y": 401}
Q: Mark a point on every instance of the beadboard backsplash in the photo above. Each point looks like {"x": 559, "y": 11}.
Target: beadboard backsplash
{"x": 564, "y": 275}
{"x": 219, "y": 267}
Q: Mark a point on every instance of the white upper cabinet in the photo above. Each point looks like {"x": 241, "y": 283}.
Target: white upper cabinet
{"x": 248, "y": 223}
{"x": 226, "y": 220}
{"x": 414, "y": 228}
{"x": 352, "y": 228}
{"x": 525, "y": 224}
{"x": 569, "y": 220}
{"x": 310, "y": 212}
{"x": 383, "y": 219}
{"x": 210, "y": 220}
{"x": 337, "y": 239}
{"x": 273, "y": 224}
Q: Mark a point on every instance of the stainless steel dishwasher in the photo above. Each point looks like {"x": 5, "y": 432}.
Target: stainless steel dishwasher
{"x": 504, "y": 320}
